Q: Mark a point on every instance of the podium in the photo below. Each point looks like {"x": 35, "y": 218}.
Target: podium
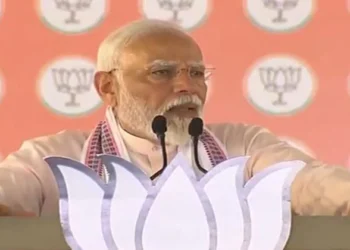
{"x": 180, "y": 210}
{"x": 308, "y": 233}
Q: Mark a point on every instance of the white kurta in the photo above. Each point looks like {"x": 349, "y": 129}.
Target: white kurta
{"x": 27, "y": 183}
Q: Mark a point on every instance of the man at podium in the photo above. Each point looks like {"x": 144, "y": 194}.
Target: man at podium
{"x": 145, "y": 69}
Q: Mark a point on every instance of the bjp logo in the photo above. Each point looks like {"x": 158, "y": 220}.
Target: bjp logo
{"x": 178, "y": 211}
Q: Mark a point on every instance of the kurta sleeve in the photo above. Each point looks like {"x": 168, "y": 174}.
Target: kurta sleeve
{"x": 27, "y": 184}
{"x": 20, "y": 188}
{"x": 318, "y": 189}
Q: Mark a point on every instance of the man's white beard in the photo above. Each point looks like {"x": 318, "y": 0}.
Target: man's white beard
{"x": 136, "y": 114}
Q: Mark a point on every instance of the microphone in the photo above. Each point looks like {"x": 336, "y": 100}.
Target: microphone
{"x": 195, "y": 129}
{"x": 159, "y": 127}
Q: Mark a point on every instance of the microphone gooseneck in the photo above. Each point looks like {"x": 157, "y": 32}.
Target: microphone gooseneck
{"x": 159, "y": 127}
{"x": 195, "y": 129}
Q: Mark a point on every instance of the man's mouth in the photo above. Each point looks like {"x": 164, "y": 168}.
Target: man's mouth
{"x": 189, "y": 107}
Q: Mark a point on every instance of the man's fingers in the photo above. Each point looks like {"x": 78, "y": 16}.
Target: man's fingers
{"x": 6, "y": 211}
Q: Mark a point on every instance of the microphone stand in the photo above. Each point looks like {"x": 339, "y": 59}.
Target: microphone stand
{"x": 195, "y": 140}
{"x": 195, "y": 129}
{"x": 161, "y": 138}
{"x": 159, "y": 127}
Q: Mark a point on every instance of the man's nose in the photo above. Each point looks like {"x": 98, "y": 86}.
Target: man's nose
{"x": 184, "y": 84}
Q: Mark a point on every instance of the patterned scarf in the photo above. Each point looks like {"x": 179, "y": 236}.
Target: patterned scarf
{"x": 102, "y": 141}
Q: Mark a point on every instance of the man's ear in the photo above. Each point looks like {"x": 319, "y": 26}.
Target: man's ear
{"x": 106, "y": 87}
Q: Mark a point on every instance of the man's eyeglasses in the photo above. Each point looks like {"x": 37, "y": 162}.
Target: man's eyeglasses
{"x": 170, "y": 72}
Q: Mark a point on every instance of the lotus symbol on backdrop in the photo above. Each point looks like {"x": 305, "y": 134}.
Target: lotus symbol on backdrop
{"x": 72, "y": 82}
{"x": 218, "y": 211}
{"x": 280, "y": 6}
{"x": 280, "y": 81}
{"x": 72, "y": 8}
{"x": 176, "y": 6}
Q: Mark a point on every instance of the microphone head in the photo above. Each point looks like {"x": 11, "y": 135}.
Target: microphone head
{"x": 196, "y": 127}
{"x": 159, "y": 125}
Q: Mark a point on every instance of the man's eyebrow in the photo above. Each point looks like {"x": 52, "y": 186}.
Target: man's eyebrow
{"x": 157, "y": 63}
{"x": 196, "y": 64}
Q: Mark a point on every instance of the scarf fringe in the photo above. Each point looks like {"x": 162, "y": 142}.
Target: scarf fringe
{"x": 102, "y": 142}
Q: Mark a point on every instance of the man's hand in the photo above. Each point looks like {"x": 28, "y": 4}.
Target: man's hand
{"x": 6, "y": 211}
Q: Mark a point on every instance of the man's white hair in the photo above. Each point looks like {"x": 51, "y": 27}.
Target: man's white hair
{"x": 111, "y": 48}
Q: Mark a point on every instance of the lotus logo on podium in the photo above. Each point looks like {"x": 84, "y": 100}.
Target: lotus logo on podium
{"x": 219, "y": 211}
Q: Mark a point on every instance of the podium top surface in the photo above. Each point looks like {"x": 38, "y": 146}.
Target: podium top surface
{"x": 44, "y": 233}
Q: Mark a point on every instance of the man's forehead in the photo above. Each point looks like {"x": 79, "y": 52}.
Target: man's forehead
{"x": 166, "y": 48}
{"x": 140, "y": 60}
